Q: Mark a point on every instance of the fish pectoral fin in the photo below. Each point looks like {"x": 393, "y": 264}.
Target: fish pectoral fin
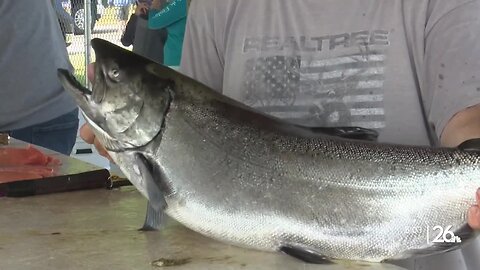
{"x": 305, "y": 254}
{"x": 153, "y": 219}
{"x": 156, "y": 196}
{"x": 354, "y": 133}
{"x": 472, "y": 145}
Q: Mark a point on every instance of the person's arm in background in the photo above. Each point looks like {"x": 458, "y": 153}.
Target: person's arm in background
{"x": 129, "y": 34}
{"x": 174, "y": 11}
{"x": 451, "y": 80}
{"x": 463, "y": 126}
{"x": 451, "y": 85}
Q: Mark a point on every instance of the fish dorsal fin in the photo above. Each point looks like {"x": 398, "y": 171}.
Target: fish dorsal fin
{"x": 242, "y": 112}
{"x": 472, "y": 145}
{"x": 354, "y": 133}
{"x": 249, "y": 114}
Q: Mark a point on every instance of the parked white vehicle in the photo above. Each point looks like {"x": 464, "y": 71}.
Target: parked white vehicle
{"x": 76, "y": 10}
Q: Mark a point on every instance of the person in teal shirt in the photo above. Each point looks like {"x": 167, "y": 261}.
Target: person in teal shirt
{"x": 173, "y": 17}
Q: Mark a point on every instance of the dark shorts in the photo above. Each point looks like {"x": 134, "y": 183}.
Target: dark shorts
{"x": 58, "y": 134}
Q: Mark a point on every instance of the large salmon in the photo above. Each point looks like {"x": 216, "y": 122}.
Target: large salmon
{"x": 242, "y": 177}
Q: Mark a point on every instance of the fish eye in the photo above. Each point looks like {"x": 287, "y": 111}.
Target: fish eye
{"x": 114, "y": 73}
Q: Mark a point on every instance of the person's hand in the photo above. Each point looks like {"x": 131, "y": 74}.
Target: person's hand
{"x": 91, "y": 72}
{"x": 156, "y": 4}
{"x": 141, "y": 9}
{"x": 474, "y": 214}
{"x": 86, "y": 132}
{"x": 462, "y": 127}
{"x": 88, "y": 136}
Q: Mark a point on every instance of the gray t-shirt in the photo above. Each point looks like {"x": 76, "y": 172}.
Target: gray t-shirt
{"x": 31, "y": 50}
{"x": 366, "y": 63}
{"x": 341, "y": 63}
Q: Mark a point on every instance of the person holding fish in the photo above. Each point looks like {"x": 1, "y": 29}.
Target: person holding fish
{"x": 406, "y": 69}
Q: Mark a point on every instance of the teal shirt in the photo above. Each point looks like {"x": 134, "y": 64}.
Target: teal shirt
{"x": 174, "y": 18}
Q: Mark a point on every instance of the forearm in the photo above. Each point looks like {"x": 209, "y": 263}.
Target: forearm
{"x": 463, "y": 126}
{"x": 174, "y": 11}
{"x": 129, "y": 33}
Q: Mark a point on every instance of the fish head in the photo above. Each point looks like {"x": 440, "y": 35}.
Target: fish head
{"x": 127, "y": 104}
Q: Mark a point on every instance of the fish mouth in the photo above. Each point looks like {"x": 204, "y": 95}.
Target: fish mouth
{"x": 70, "y": 83}
{"x": 82, "y": 95}
{"x": 85, "y": 101}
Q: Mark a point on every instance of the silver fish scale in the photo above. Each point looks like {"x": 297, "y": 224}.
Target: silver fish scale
{"x": 241, "y": 184}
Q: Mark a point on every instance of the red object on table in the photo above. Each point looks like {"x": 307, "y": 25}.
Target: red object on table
{"x": 25, "y": 163}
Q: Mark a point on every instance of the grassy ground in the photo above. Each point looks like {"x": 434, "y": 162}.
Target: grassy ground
{"x": 109, "y": 18}
{"x": 78, "y": 62}
{"x": 78, "y": 59}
